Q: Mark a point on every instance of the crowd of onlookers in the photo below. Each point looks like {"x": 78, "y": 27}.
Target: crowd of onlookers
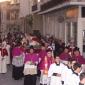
{"x": 54, "y": 62}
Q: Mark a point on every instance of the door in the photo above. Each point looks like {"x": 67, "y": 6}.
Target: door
{"x": 71, "y": 32}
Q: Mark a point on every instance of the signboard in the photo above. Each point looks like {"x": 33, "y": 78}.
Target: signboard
{"x": 72, "y": 13}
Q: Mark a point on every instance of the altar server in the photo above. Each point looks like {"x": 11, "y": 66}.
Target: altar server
{"x": 74, "y": 78}
{"x": 56, "y": 72}
{"x": 3, "y": 56}
{"x": 82, "y": 79}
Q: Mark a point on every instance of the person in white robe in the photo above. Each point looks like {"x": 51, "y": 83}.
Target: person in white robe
{"x": 8, "y": 50}
{"x": 69, "y": 70}
{"x": 56, "y": 71}
{"x": 73, "y": 79}
{"x": 82, "y": 79}
{"x": 3, "y": 63}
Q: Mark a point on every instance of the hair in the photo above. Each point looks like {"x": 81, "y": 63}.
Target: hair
{"x": 76, "y": 65}
{"x": 66, "y": 47}
{"x": 76, "y": 49}
{"x": 48, "y": 50}
{"x": 56, "y": 54}
{"x": 82, "y": 76}
{"x": 31, "y": 47}
{"x": 43, "y": 44}
{"x": 18, "y": 44}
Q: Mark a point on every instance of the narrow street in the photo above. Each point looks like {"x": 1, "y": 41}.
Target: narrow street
{"x": 6, "y": 79}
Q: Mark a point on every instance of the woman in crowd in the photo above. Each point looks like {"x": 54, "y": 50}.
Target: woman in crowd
{"x": 17, "y": 62}
{"x": 32, "y": 59}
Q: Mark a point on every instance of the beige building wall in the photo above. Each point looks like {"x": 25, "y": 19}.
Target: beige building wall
{"x": 25, "y": 7}
{"x": 4, "y": 9}
{"x": 38, "y": 23}
{"x": 53, "y": 25}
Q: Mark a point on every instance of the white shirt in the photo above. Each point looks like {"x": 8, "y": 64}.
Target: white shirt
{"x": 73, "y": 79}
{"x": 59, "y": 69}
{"x": 68, "y": 73}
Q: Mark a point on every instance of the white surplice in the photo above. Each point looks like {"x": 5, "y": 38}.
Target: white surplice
{"x": 59, "y": 69}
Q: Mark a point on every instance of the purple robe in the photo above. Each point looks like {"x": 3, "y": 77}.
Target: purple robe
{"x": 17, "y": 51}
{"x": 80, "y": 59}
{"x": 31, "y": 57}
{"x": 64, "y": 56}
{"x": 49, "y": 62}
{"x": 42, "y": 55}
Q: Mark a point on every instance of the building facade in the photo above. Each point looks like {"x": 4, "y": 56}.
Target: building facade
{"x": 9, "y": 13}
{"x": 4, "y": 17}
{"x": 64, "y": 19}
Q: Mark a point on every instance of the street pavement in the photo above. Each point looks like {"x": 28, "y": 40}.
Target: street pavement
{"x": 6, "y": 79}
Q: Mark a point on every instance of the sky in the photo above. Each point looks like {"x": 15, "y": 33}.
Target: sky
{"x": 4, "y": 0}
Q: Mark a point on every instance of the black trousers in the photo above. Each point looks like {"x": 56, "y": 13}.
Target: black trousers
{"x": 30, "y": 80}
{"x": 17, "y": 72}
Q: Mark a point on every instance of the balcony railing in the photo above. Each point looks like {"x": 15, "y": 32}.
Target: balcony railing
{"x": 53, "y": 3}
{"x": 35, "y": 7}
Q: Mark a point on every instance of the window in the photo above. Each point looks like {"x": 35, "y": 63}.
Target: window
{"x": 83, "y": 12}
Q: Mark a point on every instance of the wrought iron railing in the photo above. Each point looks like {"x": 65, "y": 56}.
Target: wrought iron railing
{"x": 35, "y": 7}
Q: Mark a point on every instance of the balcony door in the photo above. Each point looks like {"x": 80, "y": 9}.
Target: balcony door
{"x": 71, "y": 31}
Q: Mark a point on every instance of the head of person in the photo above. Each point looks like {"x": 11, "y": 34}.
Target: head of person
{"x": 43, "y": 47}
{"x": 77, "y": 67}
{"x": 71, "y": 62}
{"x": 24, "y": 44}
{"x": 18, "y": 44}
{"x": 66, "y": 49}
{"x": 57, "y": 58}
{"x": 76, "y": 52}
{"x": 82, "y": 78}
{"x": 49, "y": 53}
{"x": 31, "y": 49}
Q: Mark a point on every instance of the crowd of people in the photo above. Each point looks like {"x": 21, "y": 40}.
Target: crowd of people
{"x": 48, "y": 58}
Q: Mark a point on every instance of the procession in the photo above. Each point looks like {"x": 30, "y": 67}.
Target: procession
{"x": 46, "y": 58}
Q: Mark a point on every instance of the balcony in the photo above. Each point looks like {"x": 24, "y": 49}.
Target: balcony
{"x": 53, "y": 3}
{"x": 34, "y": 7}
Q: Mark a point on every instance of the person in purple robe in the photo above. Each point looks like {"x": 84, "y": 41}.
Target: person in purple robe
{"x": 33, "y": 59}
{"x": 17, "y": 62}
{"x": 64, "y": 56}
{"x": 42, "y": 55}
{"x": 46, "y": 62}
{"x": 79, "y": 58}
